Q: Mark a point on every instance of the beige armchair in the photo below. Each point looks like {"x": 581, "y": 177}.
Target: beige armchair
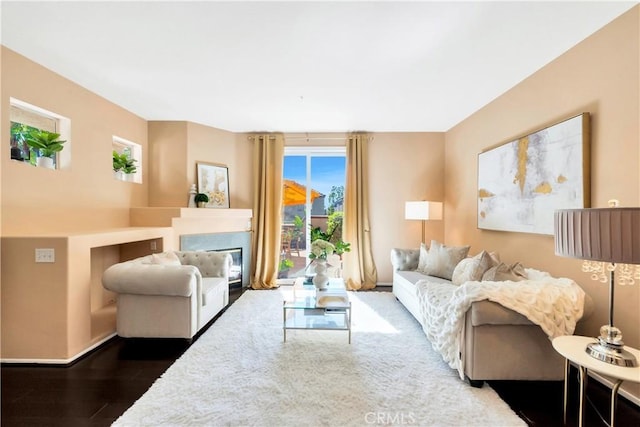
{"x": 169, "y": 295}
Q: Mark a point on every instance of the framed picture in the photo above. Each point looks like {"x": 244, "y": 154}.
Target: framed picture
{"x": 521, "y": 183}
{"x": 213, "y": 180}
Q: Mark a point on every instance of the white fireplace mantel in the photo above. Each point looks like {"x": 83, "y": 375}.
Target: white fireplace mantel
{"x": 192, "y": 220}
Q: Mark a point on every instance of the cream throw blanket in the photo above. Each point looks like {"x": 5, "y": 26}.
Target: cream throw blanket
{"x": 555, "y": 304}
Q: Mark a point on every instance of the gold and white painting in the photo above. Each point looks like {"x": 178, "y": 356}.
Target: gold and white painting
{"x": 213, "y": 180}
{"x": 521, "y": 183}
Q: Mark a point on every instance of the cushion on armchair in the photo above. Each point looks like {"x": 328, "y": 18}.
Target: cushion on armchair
{"x": 165, "y": 258}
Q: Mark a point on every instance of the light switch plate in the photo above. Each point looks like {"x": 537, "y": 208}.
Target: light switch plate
{"x": 45, "y": 255}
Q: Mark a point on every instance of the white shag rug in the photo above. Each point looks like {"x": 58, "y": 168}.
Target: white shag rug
{"x": 241, "y": 373}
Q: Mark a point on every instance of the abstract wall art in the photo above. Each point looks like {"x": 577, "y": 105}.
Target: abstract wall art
{"x": 522, "y": 182}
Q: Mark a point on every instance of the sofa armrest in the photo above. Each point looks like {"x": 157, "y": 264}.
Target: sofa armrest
{"x": 151, "y": 279}
{"x": 405, "y": 259}
{"x": 210, "y": 264}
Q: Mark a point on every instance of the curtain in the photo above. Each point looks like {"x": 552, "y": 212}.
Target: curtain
{"x": 359, "y": 269}
{"x": 267, "y": 209}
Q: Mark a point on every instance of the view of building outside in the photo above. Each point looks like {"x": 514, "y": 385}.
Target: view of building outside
{"x": 319, "y": 180}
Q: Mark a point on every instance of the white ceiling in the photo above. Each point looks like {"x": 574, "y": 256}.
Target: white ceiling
{"x": 301, "y": 66}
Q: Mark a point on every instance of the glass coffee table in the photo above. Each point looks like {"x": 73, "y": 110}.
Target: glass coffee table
{"x": 321, "y": 310}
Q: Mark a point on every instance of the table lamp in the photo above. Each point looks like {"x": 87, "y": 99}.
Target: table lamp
{"x": 424, "y": 211}
{"x": 608, "y": 240}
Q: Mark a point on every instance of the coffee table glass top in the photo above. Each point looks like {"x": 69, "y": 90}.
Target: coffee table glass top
{"x": 308, "y": 308}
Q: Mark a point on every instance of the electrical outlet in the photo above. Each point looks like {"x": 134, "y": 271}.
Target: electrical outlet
{"x": 154, "y": 245}
{"x": 45, "y": 255}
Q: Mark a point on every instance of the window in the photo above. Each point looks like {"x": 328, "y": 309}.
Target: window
{"x": 27, "y": 119}
{"x": 313, "y": 199}
{"x": 128, "y": 166}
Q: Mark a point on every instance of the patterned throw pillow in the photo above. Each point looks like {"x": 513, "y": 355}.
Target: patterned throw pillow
{"x": 422, "y": 261}
{"x": 471, "y": 269}
{"x": 442, "y": 260}
{"x": 503, "y": 272}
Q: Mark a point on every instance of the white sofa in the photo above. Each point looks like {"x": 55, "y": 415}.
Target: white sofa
{"x": 497, "y": 343}
{"x": 169, "y": 295}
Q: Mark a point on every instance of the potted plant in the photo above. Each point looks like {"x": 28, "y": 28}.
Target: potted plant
{"x": 46, "y": 144}
{"x": 201, "y": 200}
{"x": 119, "y": 161}
{"x": 123, "y": 165}
{"x": 129, "y": 168}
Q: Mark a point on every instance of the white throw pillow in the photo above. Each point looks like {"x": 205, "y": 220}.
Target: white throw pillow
{"x": 422, "y": 260}
{"x": 471, "y": 269}
{"x": 442, "y": 260}
{"x": 165, "y": 258}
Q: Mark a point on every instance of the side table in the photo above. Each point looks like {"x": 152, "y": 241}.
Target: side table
{"x": 572, "y": 348}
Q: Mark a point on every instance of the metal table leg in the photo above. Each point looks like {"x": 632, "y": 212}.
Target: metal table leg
{"x": 614, "y": 401}
{"x": 567, "y": 366}
{"x": 583, "y": 389}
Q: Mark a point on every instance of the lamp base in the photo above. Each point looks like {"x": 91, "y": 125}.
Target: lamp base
{"x": 614, "y": 354}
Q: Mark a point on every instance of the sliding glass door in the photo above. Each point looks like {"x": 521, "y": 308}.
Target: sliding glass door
{"x": 314, "y": 180}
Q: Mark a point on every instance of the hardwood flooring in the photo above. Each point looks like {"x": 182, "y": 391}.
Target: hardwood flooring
{"x": 98, "y": 388}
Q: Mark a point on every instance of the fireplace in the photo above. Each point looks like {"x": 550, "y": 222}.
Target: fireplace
{"x": 238, "y": 244}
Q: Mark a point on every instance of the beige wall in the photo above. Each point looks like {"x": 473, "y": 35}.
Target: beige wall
{"x": 601, "y": 76}
{"x": 235, "y": 151}
{"x": 85, "y": 196}
{"x": 176, "y": 148}
{"x": 169, "y": 184}
{"x": 402, "y": 167}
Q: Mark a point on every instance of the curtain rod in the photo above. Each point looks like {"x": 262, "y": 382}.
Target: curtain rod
{"x": 309, "y": 138}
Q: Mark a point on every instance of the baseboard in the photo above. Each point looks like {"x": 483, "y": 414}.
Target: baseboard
{"x": 384, "y": 284}
{"x": 621, "y": 391}
{"x": 60, "y": 361}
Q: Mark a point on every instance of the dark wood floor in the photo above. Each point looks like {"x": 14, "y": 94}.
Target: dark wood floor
{"x": 97, "y": 389}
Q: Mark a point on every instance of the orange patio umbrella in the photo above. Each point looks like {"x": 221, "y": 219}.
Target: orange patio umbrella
{"x": 296, "y": 194}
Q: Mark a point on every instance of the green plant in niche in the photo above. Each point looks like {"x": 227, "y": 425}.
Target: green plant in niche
{"x": 123, "y": 162}
{"x": 119, "y": 161}
{"x": 129, "y": 166}
{"x": 47, "y": 143}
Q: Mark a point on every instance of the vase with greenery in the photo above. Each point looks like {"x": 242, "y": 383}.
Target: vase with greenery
{"x": 45, "y": 145}
{"x": 201, "y": 200}
{"x": 320, "y": 251}
{"x": 333, "y": 234}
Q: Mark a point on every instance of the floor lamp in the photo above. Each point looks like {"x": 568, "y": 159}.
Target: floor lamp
{"x": 608, "y": 240}
{"x": 424, "y": 211}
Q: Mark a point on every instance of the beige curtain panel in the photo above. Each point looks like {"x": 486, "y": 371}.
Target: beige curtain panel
{"x": 359, "y": 269}
{"x": 267, "y": 209}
